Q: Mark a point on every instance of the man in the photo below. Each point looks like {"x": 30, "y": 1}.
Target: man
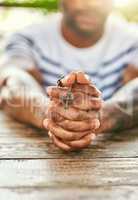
{"x": 84, "y": 38}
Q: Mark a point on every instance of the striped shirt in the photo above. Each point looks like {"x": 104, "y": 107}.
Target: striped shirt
{"x": 42, "y": 45}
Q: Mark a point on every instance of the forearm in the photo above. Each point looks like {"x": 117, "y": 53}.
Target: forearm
{"x": 27, "y": 110}
{"x": 22, "y": 97}
{"x": 121, "y": 112}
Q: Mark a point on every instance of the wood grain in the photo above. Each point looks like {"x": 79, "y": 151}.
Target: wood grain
{"x": 69, "y": 172}
{"x": 32, "y": 168}
{"x": 97, "y": 193}
{"x": 20, "y": 141}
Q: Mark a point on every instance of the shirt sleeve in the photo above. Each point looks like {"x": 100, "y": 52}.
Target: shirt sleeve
{"x": 19, "y": 52}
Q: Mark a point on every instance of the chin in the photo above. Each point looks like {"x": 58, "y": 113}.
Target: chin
{"x": 86, "y": 31}
{"x": 87, "y": 27}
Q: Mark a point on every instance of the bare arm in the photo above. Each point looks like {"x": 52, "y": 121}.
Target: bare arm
{"x": 22, "y": 97}
{"x": 121, "y": 112}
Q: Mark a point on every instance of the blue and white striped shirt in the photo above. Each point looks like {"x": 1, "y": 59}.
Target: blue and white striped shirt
{"x": 43, "y": 46}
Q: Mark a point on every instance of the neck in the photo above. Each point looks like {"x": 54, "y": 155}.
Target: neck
{"x": 78, "y": 40}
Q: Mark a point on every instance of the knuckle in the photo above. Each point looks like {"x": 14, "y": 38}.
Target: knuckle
{"x": 70, "y": 136}
{"x": 96, "y": 103}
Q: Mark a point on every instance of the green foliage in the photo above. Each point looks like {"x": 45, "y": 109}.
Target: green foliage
{"x": 50, "y": 5}
{"x": 130, "y": 11}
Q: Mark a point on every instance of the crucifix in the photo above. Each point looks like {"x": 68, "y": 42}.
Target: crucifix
{"x": 68, "y": 98}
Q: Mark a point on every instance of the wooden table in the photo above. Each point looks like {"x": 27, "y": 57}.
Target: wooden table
{"x": 32, "y": 168}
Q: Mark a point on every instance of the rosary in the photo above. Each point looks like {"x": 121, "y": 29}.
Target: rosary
{"x": 66, "y": 100}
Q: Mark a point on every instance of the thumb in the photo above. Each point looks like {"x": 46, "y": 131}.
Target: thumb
{"x": 75, "y": 77}
{"x": 83, "y": 78}
{"x": 68, "y": 80}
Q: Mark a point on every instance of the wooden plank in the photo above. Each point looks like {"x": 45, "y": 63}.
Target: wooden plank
{"x": 83, "y": 175}
{"x": 20, "y": 141}
{"x": 70, "y": 173}
{"x": 97, "y": 193}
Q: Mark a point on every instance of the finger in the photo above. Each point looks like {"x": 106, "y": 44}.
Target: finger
{"x": 71, "y": 113}
{"x": 82, "y": 78}
{"x": 87, "y": 89}
{"x": 85, "y": 102}
{"x": 62, "y": 133}
{"x": 52, "y": 114}
{"x": 57, "y": 92}
{"x": 60, "y": 144}
{"x": 80, "y": 100}
{"x": 69, "y": 80}
{"x": 82, "y": 143}
{"x": 80, "y": 125}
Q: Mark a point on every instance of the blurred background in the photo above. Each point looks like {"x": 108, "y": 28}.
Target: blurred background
{"x": 15, "y": 14}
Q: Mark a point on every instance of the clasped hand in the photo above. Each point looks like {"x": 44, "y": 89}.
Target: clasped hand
{"x": 73, "y": 127}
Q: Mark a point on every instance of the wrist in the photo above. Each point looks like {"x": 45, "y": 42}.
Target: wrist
{"x": 106, "y": 119}
{"x": 38, "y": 112}
{"x": 113, "y": 118}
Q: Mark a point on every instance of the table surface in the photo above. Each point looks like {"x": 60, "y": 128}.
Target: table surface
{"x": 32, "y": 168}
